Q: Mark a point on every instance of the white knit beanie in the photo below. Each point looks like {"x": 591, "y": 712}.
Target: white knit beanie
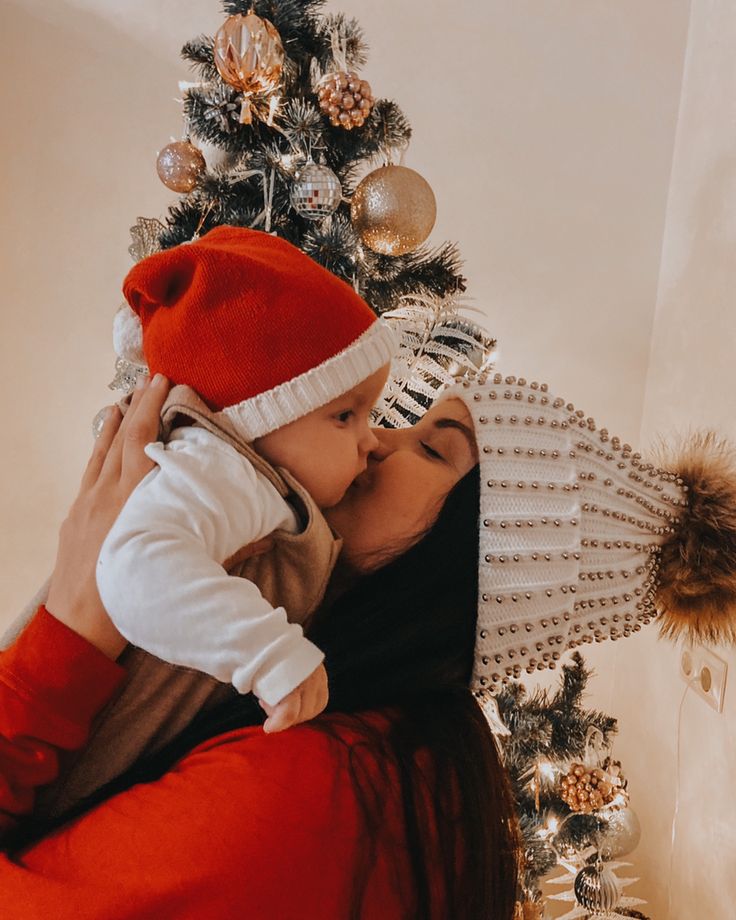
{"x": 581, "y": 541}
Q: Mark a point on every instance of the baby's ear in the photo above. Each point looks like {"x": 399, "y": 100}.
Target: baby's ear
{"x": 127, "y": 335}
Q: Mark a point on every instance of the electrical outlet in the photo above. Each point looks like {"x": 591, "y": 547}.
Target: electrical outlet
{"x": 705, "y": 672}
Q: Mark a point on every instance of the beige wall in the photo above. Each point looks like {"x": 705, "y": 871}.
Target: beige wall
{"x": 547, "y": 130}
{"x": 690, "y": 383}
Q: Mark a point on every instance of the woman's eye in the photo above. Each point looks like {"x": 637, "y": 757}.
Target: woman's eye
{"x": 345, "y": 416}
{"x": 431, "y": 452}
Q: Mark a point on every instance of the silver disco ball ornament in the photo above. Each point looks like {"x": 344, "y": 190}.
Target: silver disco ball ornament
{"x": 597, "y": 890}
{"x": 316, "y": 192}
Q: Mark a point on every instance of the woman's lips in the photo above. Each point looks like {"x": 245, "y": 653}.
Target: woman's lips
{"x": 362, "y": 481}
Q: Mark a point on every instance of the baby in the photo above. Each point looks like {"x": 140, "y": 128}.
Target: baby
{"x": 289, "y": 361}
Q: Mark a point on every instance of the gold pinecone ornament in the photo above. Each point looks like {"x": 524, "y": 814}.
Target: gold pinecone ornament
{"x": 585, "y": 789}
{"x": 345, "y": 99}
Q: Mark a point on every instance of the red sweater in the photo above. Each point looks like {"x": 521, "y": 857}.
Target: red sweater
{"x": 247, "y": 825}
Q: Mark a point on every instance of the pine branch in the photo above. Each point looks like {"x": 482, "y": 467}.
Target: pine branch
{"x": 423, "y": 272}
{"x": 302, "y": 124}
{"x": 213, "y": 114}
{"x": 351, "y": 33}
{"x": 199, "y": 53}
{"x": 333, "y": 244}
{"x": 385, "y": 131}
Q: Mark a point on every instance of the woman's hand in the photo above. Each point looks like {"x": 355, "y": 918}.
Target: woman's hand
{"x": 118, "y": 463}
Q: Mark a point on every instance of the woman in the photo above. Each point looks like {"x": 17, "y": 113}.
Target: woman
{"x": 394, "y": 802}
{"x": 402, "y": 811}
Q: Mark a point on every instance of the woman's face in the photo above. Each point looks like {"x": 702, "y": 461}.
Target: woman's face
{"x": 407, "y": 478}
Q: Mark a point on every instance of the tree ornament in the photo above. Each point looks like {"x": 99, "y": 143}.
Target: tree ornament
{"x": 126, "y": 375}
{"x": 621, "y": 834}
{"x": 528, "y": 910}
{"x": 597, "y": 889}
{"x": 393, "y": 210}
{"x": 585, "y": 789}
{"x": 145, "y": 235}
{"x": 438, "y": 347}
{"x": 249, "y": 55}
{"x": 345, "y": 99}
{"x": 98, "y": 422}
{"x": 316, "y": 191}
{"x": 180, "y": 165}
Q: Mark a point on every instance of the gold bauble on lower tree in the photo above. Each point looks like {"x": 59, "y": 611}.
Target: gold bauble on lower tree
{"x": 393, "y": 210}
{"x": 179, "y": 165}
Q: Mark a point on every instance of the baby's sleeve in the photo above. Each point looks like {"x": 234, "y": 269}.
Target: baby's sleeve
{"x": 161, "y": 579}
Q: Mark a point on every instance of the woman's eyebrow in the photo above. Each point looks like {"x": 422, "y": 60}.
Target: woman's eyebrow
{"x": 458, "y": 426}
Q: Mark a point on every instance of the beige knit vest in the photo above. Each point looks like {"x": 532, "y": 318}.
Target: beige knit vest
{"x": 158, "y": 700}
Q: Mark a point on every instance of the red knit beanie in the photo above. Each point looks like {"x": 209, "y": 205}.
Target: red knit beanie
{"x": 255, "y": 326}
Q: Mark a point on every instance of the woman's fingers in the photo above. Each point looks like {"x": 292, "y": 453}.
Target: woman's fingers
{"x": 114, "y": 459}
{"x": 126, "y": 461}
{"x": 101, "y": 447}
{"x": 142, "y": 429}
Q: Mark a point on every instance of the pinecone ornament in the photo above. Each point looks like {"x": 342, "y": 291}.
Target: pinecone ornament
{"x": 345, "y": 99}
{"x": 587, "y": 789}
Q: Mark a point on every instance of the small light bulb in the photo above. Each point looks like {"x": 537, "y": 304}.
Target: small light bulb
{"x": 547, "y": 771}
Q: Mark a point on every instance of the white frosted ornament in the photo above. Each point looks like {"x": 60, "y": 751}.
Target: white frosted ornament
{"x": 215, "y": 157}
{"x": 127, "y": 340}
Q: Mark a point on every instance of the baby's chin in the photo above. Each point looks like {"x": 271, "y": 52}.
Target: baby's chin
{"x": 330, "y": 499}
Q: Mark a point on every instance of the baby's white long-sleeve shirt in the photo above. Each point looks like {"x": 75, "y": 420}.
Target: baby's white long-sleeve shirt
{"x": 160, "y": 573}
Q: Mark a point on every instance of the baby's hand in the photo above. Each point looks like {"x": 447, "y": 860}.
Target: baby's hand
{"x": 303, "y": 703}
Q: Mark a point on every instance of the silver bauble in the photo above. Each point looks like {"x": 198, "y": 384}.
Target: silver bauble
{"x": 316, "y": 191}
{"x": 597, "y": 889}
{"x": 621, "y": 834}
{"x": 98, "y": 422}
{"x": 393, "y": 210}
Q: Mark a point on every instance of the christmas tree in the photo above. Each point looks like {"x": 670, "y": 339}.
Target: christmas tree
{"x": 572, "y": 799}
{"x": 282, "y": 134}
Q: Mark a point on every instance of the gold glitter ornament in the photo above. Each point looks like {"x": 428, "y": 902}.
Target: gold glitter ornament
{"x": 345, "y": 99}
{"x": 620, "y": 835}
{"x": 179, "y": 166}
{"x": 249, "y": 55}
{"x": 393, "y": 210}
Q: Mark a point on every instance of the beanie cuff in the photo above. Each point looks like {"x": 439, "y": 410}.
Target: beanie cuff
{"x": 293, "y": 399}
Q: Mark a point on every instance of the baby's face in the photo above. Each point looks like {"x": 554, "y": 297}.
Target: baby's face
{"x": 328, "y": 448}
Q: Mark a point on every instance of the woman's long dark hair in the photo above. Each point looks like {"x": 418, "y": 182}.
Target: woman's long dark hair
{"x": 402, "y": 638}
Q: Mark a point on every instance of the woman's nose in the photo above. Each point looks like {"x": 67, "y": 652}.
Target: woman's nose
{"x": 387, "y": 441}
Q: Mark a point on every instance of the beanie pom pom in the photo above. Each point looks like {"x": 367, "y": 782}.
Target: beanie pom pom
{"x": 697, "y": 574}
{"x": 127, "y": 335}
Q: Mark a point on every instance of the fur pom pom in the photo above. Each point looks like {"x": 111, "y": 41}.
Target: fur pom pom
{"x": 697, "y": 574}
{"x": 127, "y": 336}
